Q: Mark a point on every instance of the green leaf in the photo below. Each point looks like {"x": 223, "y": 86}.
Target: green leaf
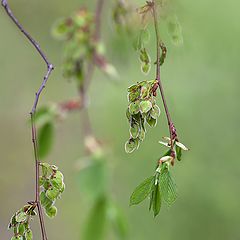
{"x": 21, "y": 229}
{"x": 142, "y": 191}
{"x": 144, "y": 57}
{"x": 46, "y": 169}
{"x": 52, "y": 193}
{"x": 145, "y": 106}
{"x": 156, "y": 202}
{"x": 178, "y": 153}
{"x": 45, "y": 139}
{"x": 134, "y": 107}
{"x": 146, "y": 68}
{"x": 92, "y": 179}
{"x": 152, "y": 122}
{"x": 175, "y": 31}
{"x": 21, "y": 216}
{"x": 96, "y": 222}
{"x": 17, "y": 238}
{"x": 28, "y": 235}
{"x": 45, "y": 201}
{"x": 134, "y": 130}
{"x": 51, "y": 211}
{"x": 118, "y": 220}
{"x": 57, "y": 180}
{"x": 167, "y": 187}
{"x": 155, "y": 111}
{"x": 131, "y": 145}
{"x": 60, "y": 29}
{"x": 141, "y": 135}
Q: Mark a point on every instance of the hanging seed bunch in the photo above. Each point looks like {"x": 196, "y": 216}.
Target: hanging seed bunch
{"x": 142, "y": 109}
{"x": 20, "y": 223}
{"x": 52, "y": 186}
{"x": 81, "y": 45}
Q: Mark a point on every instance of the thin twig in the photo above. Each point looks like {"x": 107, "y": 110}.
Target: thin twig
{"x": 172, "y": 130}
{"x": 33, "y": 111}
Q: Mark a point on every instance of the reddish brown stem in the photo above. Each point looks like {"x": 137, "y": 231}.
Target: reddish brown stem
{"x": 33, "y": 111}
{"x": 172, "y": 130}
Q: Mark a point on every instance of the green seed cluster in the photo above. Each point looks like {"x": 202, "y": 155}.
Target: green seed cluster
{"x": 52, "y": 186}
{"x": 142, "y": 108}
{"x": 20, "y": 223}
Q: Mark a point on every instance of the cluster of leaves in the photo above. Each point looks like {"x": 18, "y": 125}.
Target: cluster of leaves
{"x": 142, "y": 108}
{"x": 93, "y": 183}
{"x": 20, "y": 223}
{"x": 52, "y": 186}
{"x": 81, "y": 45}
{"x": 161, "y": 186}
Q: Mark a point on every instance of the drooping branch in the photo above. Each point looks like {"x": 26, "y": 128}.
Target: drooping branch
{"x": 159, "y": 46}
{"x": 33, "y": 111}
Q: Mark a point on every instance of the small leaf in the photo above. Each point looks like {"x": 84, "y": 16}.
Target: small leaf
{"x": 52, "y": 193}
{"x": 45, "y": 139}
{"x": 45, "y": 201}
{"x": 134, "y": 130}
{"x": 181, "y": 146}
{"x": 141, "y": 135}
{"x": 152, "y": 122}
{"x": 134, "y": 107}
{"x": 21, "y": 229}
{"x": 46, "y": 169}
{"x": 51, "y": 212}
{"x": 142, "y": 191}
{"x": 96, "y": 223}
{"x": 57, "y": 180}
{"x": 28, "y": 235}
{"x": 60, "y": 29}
{"x": 155, "y": 111}
{"x": 145, "y": 106}
{"x": 144, "y": 57}
{"x": 157, "y": 202}
{"x": 131, "y": 145}
{"x": 175, "y": 31}
{"x": 168, "y": 187}
{"x": 21, "y": 216}
{"x": 178, "y": 153}
{"x": 145, "y": 67}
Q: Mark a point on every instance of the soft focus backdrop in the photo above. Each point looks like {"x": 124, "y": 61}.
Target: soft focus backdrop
{"x": 201, "y": 80}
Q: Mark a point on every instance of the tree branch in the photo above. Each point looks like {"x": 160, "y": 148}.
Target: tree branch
{"x": 33, "y": 111}
{"x": 172, "y": 130}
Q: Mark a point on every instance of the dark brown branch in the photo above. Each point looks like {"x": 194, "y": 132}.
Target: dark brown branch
{"x": 32, "y": 113}
{"x": 172, "y": 130}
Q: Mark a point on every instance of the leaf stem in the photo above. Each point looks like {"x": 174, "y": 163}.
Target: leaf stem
{"x": 172, "y": 130}
{"x": 33, "y": 111}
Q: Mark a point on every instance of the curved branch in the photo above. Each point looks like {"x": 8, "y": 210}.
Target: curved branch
{"x": 33, "y": 111}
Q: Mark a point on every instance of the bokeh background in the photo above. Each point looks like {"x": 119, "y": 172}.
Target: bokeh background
{"x": 201, "y": 80}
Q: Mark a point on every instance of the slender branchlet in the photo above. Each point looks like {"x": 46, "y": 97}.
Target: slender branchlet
{"x": 159, "y": 47}
{"x": 33, "y": 111}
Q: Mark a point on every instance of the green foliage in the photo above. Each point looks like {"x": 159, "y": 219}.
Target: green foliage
{"x": 45, "y": 139}
{"x": 81, "y": 45}
{"x": 52, "y": 186}
{"x": 142, "y": 108}
{"x": 142, "y": 191}
{"x": 175, "y": 30}
{"x": 20, "y": 223}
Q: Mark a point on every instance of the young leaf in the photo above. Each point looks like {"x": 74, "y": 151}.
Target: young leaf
{"x": 142, "y": 191}
{"x": 145, "y": 106}
{"x": 51, "y": 211}
{"x": 155, "y": 111}
{"x": 21, "y": 216}
{"x": 45, "y": 139}
{"x": 157, "y": 201}
{"x": 168, "y": 187}
{"x": 134, "y": 130}
{"x": 134, "y": 107}
{"x": 152, "y": 122}
{"x": 175, "y": 31}
{"x": 131, "y": 145}
{"x": 96, "y": 223}
{"x": 178, "y": 153}
{"x": 28, "y": 235}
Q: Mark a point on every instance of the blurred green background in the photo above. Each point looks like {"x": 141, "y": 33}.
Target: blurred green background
{"x": 201, "y": 81}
